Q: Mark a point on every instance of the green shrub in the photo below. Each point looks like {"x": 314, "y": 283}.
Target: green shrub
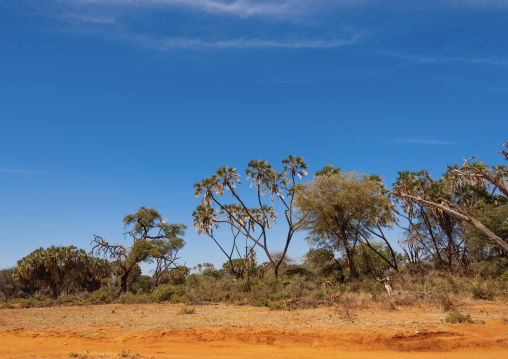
{"x": 280, "y": 295}
{"x": 278, "y": 304}
{"x": 176, "y": 299}
{"x": 67, "y": 300}
{"x": 484, "y": 289}
{"x": 140, "y": 297}
{"x": 457, "y": 317}
{"x": 262, "y": 302}
{"x": 164, "y": 292}
{"x": 143, "y": 283}
{"x": 319, "y": 295}
{"x": 24, "y": 303}
{"x": 502, "y": 281}
{"x": 228, "y": 296}
{"x": 102, "y": 295}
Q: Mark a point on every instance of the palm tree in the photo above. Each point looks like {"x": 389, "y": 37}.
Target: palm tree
{"x": 251, "y": 222}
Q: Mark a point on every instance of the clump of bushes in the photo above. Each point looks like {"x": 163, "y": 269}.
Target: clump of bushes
{"x": 456, "y": 317}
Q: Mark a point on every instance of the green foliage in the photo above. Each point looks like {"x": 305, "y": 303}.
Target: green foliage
{"x": 243, "y": 219}
{"x": 177, "y": 275}
{"x": 503, "y": 280}
{"x": 153, "y": 239}
{"x": 102, "y": 296}
{"x": 262, "y": 302}
{"x": 340, "y": 210}
{"x": 456, "y": 317}
{"x": 141, "y": 284}
{"x": 8, "y": 286}
{"x": 284, "y": 294}
{"x": 319, "y": 295}
{"x": 60, "y": 269}
{"x": 229, "y": 296}
{"x": 131, "y": 298}
{"x": 165, "y": 292}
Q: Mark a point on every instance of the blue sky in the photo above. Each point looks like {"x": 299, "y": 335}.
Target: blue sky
{"x": 109, "y": 105}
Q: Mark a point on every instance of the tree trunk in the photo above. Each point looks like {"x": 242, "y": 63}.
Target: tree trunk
{"x": 353, "y": 273}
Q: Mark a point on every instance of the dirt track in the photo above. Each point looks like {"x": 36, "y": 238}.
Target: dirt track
{"x": 219, "y": 331}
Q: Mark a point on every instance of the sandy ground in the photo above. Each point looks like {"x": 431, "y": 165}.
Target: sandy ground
{"x": 222, "y": 331}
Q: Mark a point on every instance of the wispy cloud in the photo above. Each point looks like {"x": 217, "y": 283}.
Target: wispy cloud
{"x": 241, "y": 8}
{"x": 421, "y": 141}
{"x": 197, "y": 44}
{"x": 490, "y": 61}
{"x": 83, "y": 18}
{"x": 19, "y": 171}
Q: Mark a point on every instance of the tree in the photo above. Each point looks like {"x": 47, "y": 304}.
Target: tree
{"x": 59, "y": 269}
{"x": 8, "y": 286}
{"x": 430, "y": 233}
{"x": 343, "y": 211}
{"x": 469, "y": 178}
{"x": 254, "y": 222}
{"x": 153, "y": 239}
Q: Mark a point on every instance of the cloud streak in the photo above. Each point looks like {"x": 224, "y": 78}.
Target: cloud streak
{"x": 240, "y": 43}
{"x": 241, "y": 8}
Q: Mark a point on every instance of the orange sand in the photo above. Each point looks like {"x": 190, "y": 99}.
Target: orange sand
{"x": 220, "y": 331}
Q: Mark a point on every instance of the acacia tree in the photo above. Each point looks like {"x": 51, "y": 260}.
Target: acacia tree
{"x": 254, "y": 222}
{"x": 458, "y": 202}
{"x": 59, "y": 269}
{"x": 344, "y": 211}
{"x": 152, "y": 237}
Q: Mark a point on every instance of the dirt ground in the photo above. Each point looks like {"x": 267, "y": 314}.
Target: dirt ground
{"x": 224, "y": 331}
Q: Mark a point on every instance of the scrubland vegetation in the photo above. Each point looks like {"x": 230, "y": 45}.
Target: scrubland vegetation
{"x": 453, "y": 233}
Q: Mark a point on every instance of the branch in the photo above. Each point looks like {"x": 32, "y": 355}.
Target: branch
{"x": 481, "y": 174}
{"x": 101, "y": 246}
{"x": 462, "y": 216}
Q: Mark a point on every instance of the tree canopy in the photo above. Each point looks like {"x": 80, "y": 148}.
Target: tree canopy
{"x": 153, "y": 238}
{"x": 250, "y": 222}
{"x": 60, "y": 269}
{"x": 341, "y": 211}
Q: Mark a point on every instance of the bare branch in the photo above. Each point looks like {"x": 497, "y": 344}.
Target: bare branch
{"x": 462, "y": 215}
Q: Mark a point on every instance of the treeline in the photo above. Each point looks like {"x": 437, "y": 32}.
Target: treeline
{"x": 453, "y": 236}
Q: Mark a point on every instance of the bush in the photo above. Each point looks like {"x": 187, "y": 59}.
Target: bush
{"x": 143, "y": 283}
{"x": 67, "y": 300}
{"x": 140, "y": 297}
{"x": 484, "y": 290}
{"x": 24, "y": 303}
{"x": 102, "y": 295}
{"x": 262, "y": 302}
{"x": 187, "y": 310}
{"x": 319, "y": 295}
{"x": 447, "y": 303}
{"x": 276, "y": 305}
{"x": 457, "y": 317}
{"x": 280, "y": 295}
{"x": 164, "y": 292}
{"x": 228, "y": 296}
